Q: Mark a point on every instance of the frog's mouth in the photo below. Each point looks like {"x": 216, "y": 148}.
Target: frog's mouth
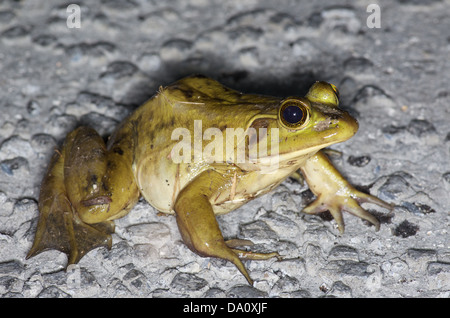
{"x": 274, "y": 162}
{"x": 334, "y": 128}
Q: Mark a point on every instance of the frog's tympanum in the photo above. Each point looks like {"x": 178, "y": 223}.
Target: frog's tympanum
{"x": 175, "y": 151}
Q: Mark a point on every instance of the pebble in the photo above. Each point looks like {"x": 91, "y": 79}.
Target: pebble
{"x": 245, "y": 291}
{"x": 119, "y": 69}
{"x": 11, "y": 267}
{"x": 397, "y": 186}
{"x": 53, "y": 292}
{"x": 420, "y": 127}
{"x": 80, "y": 51}
{"x": 43, "y": 143}
{"x": 359, "y": 161}
{"x": 257, "y": 230}
{"x": 14, "y": 147}
{"x": 188, "y": 282}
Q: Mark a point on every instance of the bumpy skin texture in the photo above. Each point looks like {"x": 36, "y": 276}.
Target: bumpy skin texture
{"x": 89, "y": 184}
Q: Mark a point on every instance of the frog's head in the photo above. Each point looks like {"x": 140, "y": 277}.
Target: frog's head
{"x": 307, "y": 124}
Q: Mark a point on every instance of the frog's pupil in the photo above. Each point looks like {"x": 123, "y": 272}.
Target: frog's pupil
{"x": 292, "y": 114}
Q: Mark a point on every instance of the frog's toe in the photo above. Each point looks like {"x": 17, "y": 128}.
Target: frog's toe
{"x": 353, "y": 207}
{"x": 337, "y": 204}
{"x": 367, "y": 198}
{"x": 256, "y": 256}
{"x": 232, "y": 243}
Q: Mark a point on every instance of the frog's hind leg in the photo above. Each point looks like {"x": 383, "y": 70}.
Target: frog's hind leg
{"x": 73, "y": 193}
{"x": 198, "y": 225}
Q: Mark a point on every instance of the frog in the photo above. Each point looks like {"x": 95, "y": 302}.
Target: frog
{"x": 90, "y": 183}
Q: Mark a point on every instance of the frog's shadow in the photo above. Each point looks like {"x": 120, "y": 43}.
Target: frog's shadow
{"x": 294, "y": 83}
{"x": 255, "y": 81}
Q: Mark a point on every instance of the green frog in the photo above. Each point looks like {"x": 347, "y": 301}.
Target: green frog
{"x": 172, "y": 151}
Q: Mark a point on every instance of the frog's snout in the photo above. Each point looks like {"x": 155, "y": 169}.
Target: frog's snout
{"x": 348, "y": 125}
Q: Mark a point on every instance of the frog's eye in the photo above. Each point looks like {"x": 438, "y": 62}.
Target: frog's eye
{"x": 294, "y": 114}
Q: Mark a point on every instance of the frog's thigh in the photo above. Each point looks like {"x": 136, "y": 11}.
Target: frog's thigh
{"x": 99, "y": 184}
{"x": 74, "y": 193}
{"x": 197, "y": 223}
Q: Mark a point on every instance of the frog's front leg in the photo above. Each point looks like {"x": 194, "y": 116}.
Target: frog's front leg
{"x": 85, "y": 188}
{"x": 198, "y": 225}
{"x": 334, "y": 193}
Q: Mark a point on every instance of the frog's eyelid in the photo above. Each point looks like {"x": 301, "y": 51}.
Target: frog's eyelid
{"x": 325, "y": 93}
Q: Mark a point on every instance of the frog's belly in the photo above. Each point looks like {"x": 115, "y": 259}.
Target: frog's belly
{"x": 161, "y": 183}
{"x": 246, "y": 188}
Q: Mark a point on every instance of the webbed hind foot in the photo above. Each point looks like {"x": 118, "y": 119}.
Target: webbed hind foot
{"x": 59, "y": 227}
{"x": 62, "y": 230}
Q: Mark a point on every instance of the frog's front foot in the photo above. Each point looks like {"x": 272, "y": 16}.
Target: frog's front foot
{"x": 349, "y": 202}
{"x": 335, "y": 194}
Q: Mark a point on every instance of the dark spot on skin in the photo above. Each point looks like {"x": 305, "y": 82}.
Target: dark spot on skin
{"x": 91, "y": 180}
{"x": 188, "y": 93}
{"x": 151, "y": 146}
{"x": 223, "y": 127}
{"x": 260, "y": 123}
{"x": 151, "y": 135}
{"x": 110, "y": 166}
{"x": 118, "y": 150}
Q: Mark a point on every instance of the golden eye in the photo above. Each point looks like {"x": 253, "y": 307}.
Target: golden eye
{"x": 294, "y": 113}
